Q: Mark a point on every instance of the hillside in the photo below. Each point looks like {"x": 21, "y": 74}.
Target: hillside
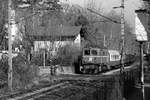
{"x": 96, "y": 27}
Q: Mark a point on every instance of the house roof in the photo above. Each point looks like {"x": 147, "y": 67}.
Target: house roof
{"x": 50, "y": 27}
{"x": 144, "y": 19}
{"x": 50, "y": 31}
{"x": 141, "y": 25}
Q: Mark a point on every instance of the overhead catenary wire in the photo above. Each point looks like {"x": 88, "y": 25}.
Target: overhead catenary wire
{"x": 110, "y": 19}
{"x": 38, "y": 12}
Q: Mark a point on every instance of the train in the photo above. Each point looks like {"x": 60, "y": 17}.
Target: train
{"x": 96, "y": 60}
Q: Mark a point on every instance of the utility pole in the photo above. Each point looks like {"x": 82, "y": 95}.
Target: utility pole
{"x": 122, "y": 47}
{"x": 122, "y": 36}
{"x": 10, "y": 46}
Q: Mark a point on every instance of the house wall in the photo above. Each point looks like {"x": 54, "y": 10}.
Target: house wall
{"x": 77, "y": 41}
{"x": 54, "y": 45}
{"x": 49, "y": 45}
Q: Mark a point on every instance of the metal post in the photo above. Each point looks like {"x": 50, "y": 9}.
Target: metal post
{"x": 142, "y": 71}
{"x": 9, "y": 47}
{"x": 122, "y": 49}
{"x": 122, "y": 36}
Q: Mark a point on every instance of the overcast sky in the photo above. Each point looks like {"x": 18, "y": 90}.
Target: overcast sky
{"x": 107, "y": 6}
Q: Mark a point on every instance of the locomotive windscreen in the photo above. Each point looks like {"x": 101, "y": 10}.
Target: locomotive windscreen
{"x": 94, "y": 52}
{"x": 87, "y": 52}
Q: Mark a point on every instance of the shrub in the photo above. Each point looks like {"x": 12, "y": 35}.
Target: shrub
{"x": 37, "y": 59}
{"x": 23, "y": 72}
{"x": 66, "y": 55}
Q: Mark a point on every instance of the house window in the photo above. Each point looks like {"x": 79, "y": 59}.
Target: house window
{"x": 115, "y": 57}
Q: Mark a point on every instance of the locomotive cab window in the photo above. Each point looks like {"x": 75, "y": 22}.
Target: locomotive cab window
{"x": 94, "y": 52}
{"x": 86, "y": 52}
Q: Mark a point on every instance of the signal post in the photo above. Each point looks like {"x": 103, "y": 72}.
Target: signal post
{"x": 141, "y": 37}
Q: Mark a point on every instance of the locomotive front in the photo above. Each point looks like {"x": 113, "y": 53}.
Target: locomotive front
{"x": 94, "y": 60}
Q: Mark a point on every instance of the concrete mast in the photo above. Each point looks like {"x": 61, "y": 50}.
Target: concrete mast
{"x": 10, "y": 69}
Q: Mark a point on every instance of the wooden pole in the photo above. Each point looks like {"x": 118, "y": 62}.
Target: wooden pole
{"x": 9, "y": 47}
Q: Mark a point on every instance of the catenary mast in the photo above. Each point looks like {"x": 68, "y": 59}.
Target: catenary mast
{"x": 10, "y": 70}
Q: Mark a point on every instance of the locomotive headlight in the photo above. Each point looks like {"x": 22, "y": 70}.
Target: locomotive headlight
{"x": 90, "y": 59}
{"x": 87, "y": 59}
{"x": 81, "y": 67}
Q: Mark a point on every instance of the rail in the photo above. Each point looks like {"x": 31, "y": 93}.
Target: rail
{"x": 20, "y": 95}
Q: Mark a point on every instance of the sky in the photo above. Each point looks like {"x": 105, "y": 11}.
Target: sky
{"x": 107, "y": 6}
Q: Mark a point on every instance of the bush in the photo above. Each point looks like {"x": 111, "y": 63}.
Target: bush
{"x": 66, "y": 55}
{"x": 37, "y": 59}
{"x": 23, "y": 72}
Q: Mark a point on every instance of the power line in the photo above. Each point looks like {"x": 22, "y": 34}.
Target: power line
{"x": 103, "y": 16}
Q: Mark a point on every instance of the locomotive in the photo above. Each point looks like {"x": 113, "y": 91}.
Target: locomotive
{"x": 95, "y": 60}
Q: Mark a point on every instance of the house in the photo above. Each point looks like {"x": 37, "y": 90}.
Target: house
{"x": 50, "y": 31}
{"x": 51, "y": 38}
{"x": 52, "y": 41}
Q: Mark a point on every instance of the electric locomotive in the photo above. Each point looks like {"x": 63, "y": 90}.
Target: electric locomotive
{"x": 95, "y": 60}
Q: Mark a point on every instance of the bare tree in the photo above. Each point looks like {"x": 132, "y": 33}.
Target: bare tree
{"x": 29, "y": 11}
{"x": 3, "y": 22}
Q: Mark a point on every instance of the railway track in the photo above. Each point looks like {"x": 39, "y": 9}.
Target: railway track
{"x": 61, "y": 91}
{"x": 75, "y": 90}
{"x": 38, "y": 93}
{"x": 70, "y": 83}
